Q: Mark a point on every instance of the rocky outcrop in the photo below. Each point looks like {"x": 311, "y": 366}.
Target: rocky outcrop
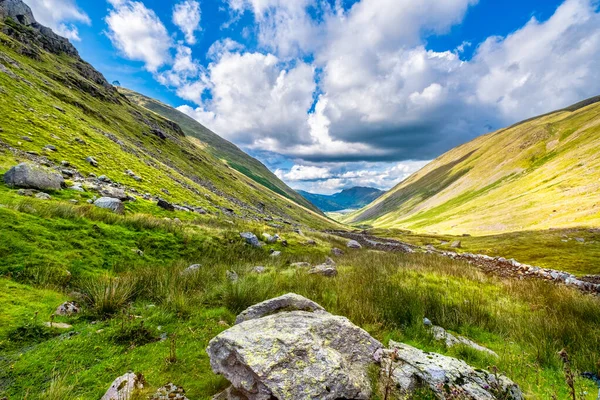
{"x": 293, "y": 354}
{"x": 124, "y": 386}
{"x": 446, "y": 377}
{"x": 31, "y": 176}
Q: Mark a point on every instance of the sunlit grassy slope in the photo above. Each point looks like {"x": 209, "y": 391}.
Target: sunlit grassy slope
{"x": 220, "y": 148}
{"x": 54, "y": 99}
{"x": 540, "y": 174}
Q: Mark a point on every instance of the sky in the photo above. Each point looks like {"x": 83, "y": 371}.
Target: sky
{"x": 331, "y": 94}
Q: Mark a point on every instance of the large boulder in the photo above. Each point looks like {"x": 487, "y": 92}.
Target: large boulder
{"x": 114, "y": 192}
{"x": 110, "y": 203}
{"x": 32, "y": 176}
{"x": 297, "y": 354}
{"x": 124, "y": 387}
{"x": 444, "y": 376}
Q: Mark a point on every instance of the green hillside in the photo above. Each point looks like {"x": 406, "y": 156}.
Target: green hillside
{"x": 219, "y": 147}
{"x": 51, "y": 99}
{"x": 539, "y": 174}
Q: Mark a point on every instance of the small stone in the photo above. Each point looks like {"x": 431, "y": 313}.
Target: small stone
{"x": 259, "y": 270}
{"x": 124, "y": 387}
{"x": 43, "y": 196}
{"x": 50, "y": 147}
{"x": 73, "y": 201}
{"x": 165, "y": 191}
{"x": 353, "y": 244}
{"x": 311, "y": 242}
{"x": 329, "y": 261}
{"x": 92, "y": 161}
{"x": 250, "y": 238}
{"x": 232, "y": 276}
{"x": 77, "y": 187}
{"x": 169, "y": 392}
{"x": 162, "y": 203}
{"x": 110, "y": 203}
{"x": 580, "y": 240}
{"x": 59, "y": 108}
{"x": 427, "y": 322}
{"x": 57, "y": 325}
{"x": 324, "y": 270}
{"x": 65, "y": 163}
{"x": 300, "y": 265}
{"x": 26, "y": 138}
{"x": 104, "y": 178}
{"x": 337, "y": 252}
{"x": 456, "y": 244}
{"x": 80, "y": 141}
{"x": 67, "y": 308}
{"x": 26, "y": 192}
{"x": 192, "y": 269}
{"x": 276, "y": 254}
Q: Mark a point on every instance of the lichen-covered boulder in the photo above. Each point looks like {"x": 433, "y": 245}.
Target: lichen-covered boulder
{"x": 109, "y": 203}
{"x": 32, "y": 176}
{"x": 445, "y": 376}
{"x": 287, "y": 302}
{"x": 124, "y": 386}
{"x": 294, "y": 355}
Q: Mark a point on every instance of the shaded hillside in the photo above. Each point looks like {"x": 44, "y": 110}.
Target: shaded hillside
{"x": 538, "y": 174}
{"x": 57, "y": 110}
{"x": 219, "y": 147}
{"x": 352, "y": 198}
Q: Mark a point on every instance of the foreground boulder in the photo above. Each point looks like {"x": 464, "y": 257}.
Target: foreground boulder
{"x": 446, "y": 377}
{"x": 305, "y": 353}
{"x": 31, "y": 176}
{"x": 109, "y": 203}
{"x": 124, "y": 386}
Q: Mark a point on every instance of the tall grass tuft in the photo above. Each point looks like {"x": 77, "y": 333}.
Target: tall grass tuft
{"x": 107, "y": 296}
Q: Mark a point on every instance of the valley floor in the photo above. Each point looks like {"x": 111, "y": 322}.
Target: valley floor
{"x": 141, "y": 313}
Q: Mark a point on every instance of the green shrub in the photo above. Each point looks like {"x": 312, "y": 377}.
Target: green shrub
{"x": 107, "y": 296}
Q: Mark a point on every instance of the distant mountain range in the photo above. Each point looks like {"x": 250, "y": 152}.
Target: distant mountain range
{"x": 353, "y": 198}
{"x": 541, "y": 173}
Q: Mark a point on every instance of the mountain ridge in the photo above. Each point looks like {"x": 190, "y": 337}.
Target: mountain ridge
{"x": 351, "y": 198}
{"x": 503, "y": 181}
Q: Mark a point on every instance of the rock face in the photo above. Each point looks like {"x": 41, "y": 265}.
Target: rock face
{"x": 293, "y": 355}
{"x": 123, "y": 387}
{"x": 17, "y": 10}
{"x": 353, "y": 244}
{"x": 31, "y": 176}
{"x": 445, "y": 376}
{"x": 109, "y": 203}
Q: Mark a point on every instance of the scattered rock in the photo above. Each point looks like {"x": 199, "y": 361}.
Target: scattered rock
{"x": 300, "y": 265}
{"x": 324, "y": 269}
{"x": 270, "y": 239}
{"x": 50, "y": 147}
{"x": 104, "y": 178}
{"x": 337, "y": 252}
{"x": 110, "y": 203}
{"x": 445, "y": 376}
{"x": 580, "y": 240}
{"x": 169, "y": 392}
{"x": 43, "y": 196}
{"x": 31, "y": 176}
{"x": 162, "y": 203}
{"x": 65, "y": 163}
{"x": 232, "y": 276}
{"x": 58, "y": 108}
{"x": 300, "y": 354}
{"x": 26, "y": 192}
{"x": 192, "y": 269}
{"x": 259, "y": 270}
{"x": 124, "y": 387}
{"x": 353, "y": 244}
{"x": 250, "y": 238}
{"x": 450, "y": 340}
{"x": 67, "y": 308}
{"x": 427, "y": 322}
{"x": 77, "y": 187}
{"x": 81, "y": 141}
{"x": 92, "y": 161}
{"x": 57, "y": 325}
{"x": 115, "y": 193}
{"x": 329, "y": 261}
{"x": 311, "y": 242}
{"x": 276, "y": 254}
{"x": 456, "y": 244}
{"x": 26, "y": 138}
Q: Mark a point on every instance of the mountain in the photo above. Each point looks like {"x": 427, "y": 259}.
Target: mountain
{"x": 219, "y": 147}
{"x": 352, "y": 198}
{"x": 541, "y": 173}
{"x": 57, "y": 110}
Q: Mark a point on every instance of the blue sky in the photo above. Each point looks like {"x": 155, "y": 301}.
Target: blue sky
{"x": 329, "y": 93}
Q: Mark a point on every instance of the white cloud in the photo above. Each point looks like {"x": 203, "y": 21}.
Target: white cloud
{"x": 60, "y": 16}
{"x": 138, "y": 33}
{"x": 186, "y": 15}
{"x": 304, "y": 173}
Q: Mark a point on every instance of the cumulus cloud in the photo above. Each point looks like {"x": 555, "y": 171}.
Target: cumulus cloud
{"x": 304, "y": 173}
{"x": 186, "y": 15}
{"x": 60, "y": 15}
{"x": 138, "y": 33}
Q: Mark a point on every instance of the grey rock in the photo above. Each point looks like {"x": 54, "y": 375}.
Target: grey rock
{"x": 232, "y": 276}
{"x": 285, "y": 303}
{"x": 110, "y": 203}
{"x": 26, "y": 138}
{"x": 413, "y": 368}
{"x": 329, "y": 261}
{"x": 270, "y": 239}
{"x": 92, "y": 161}
{"x": 115, "y": 193}
{"x": 67, "y": 308}
{"x": 77, "y": 187}
{"x": 427, "y": 322}
{"x": 31, "y": 176}
{"x": 337, "y": 252}
{"x": 43, "y": 196}
{"x": 192, "y": 269}
{"x": 250, "y": 238}
{"x": 162, "y": 203}
{"x": 57, "y": 325}
{"x": 169, "y": 392}
{"x": 259, "y": 270}
{"x": 26, "y": 192}
{"x": 450, "y": 340}
{"x": 276, "y": 254}
{"x": 104, "y": 178}
{"x": 456, "y": 244}
{"x": 580, "y": 240}
{"x": 353, "y": 244}
{"x": 124, "y": 387}
{"x": 50, "y": 147}
{"x": 80, "y": 141}
{"x": 295, "y": 355}
{"x": 324, "y": 269}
